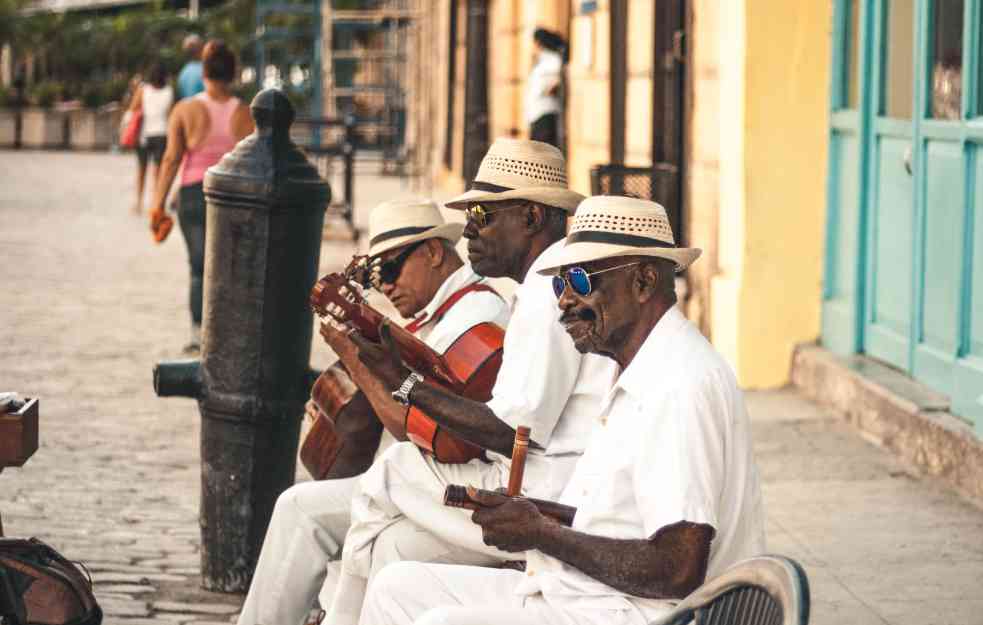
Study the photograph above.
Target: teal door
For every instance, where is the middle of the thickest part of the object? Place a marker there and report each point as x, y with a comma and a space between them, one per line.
904, 253
890, 203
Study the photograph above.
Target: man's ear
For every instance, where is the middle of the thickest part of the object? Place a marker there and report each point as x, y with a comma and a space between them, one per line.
646, 282
536, 218
436, 250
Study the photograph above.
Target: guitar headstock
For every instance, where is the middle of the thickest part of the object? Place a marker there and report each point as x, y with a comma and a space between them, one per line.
359, 271
337, 289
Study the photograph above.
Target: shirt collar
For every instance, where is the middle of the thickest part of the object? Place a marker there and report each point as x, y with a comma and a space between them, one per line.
654, 354
464, 276
543, 260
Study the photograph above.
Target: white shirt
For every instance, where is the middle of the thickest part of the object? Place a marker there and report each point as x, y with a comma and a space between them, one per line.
546, 384
673, 443
156, 104
544, 76
474, 308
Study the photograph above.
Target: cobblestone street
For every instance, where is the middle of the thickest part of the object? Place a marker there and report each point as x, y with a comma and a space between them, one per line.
88, 304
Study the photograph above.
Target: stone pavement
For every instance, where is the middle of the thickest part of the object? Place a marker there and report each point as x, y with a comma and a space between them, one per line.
89, 304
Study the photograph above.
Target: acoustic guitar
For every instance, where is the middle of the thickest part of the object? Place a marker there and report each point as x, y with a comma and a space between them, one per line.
468, 367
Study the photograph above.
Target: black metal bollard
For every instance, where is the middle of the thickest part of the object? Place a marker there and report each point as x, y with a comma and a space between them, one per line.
265, 213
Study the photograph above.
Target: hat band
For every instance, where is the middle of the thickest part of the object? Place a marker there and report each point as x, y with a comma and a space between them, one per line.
616, 238
399, 232
488, 187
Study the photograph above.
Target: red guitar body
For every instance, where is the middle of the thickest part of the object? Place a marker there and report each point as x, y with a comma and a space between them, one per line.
475, 358
468, 368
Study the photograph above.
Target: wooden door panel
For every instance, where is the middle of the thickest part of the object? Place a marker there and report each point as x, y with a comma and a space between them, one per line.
967, 383
937, 339
893, 237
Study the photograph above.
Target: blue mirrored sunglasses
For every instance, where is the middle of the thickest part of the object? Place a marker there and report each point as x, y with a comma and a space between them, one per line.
579, 279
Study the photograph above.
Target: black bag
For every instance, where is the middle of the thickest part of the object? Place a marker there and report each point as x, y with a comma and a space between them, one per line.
38, 586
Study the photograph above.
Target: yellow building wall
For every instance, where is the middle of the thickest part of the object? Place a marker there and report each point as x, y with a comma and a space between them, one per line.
774, 82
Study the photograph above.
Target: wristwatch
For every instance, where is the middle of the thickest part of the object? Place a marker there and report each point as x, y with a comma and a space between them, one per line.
402, 394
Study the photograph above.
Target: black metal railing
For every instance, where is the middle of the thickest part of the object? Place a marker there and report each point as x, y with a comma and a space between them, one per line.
656, 183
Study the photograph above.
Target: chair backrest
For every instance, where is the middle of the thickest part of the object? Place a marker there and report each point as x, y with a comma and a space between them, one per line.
767, 590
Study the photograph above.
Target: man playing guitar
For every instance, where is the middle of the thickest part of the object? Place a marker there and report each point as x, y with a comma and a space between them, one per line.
417, 268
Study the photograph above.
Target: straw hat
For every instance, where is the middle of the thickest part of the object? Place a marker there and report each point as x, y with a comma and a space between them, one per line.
521, 169
606, 226
401, 222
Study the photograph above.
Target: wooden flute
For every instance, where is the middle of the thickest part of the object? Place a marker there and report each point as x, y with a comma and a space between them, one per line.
457, 496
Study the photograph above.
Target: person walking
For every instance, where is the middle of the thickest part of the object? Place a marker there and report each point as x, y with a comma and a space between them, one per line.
153, 99
189, 79
542, 97
133, 105
201, 130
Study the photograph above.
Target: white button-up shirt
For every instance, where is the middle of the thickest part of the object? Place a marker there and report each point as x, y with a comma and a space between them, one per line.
546, 384
673, 443
473, 308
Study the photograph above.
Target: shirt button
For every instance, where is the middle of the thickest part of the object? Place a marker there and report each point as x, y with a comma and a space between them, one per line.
530, 572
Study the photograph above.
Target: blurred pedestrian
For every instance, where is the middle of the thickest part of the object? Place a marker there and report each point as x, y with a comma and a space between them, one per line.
154, 99
133, 105
542, 97
201, 130
189, 80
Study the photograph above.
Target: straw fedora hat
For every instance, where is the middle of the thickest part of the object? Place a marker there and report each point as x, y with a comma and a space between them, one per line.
606, 226
401, 222
521, 169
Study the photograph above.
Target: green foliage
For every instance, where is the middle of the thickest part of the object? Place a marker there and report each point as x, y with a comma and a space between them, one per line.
46, 93
93, 57
7, 97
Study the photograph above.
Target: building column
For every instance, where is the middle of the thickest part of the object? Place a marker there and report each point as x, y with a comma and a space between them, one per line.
774, 92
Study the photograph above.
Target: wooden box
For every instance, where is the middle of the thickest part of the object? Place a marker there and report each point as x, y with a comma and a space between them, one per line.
19, 434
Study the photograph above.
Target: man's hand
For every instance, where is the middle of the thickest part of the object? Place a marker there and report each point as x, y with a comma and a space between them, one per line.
312, 410
382, 358
508, 523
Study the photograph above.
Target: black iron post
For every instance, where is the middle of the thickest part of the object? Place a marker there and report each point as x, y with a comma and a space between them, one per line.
265, 213
476, 90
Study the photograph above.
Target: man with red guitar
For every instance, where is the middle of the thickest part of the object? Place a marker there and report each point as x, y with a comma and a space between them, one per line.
517, 213
417, 268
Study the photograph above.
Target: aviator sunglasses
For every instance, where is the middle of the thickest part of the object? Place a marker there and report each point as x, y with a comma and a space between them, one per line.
579, 279
389, 270
478, 214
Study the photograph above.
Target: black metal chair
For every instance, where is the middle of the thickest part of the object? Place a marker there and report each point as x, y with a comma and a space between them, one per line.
767, 590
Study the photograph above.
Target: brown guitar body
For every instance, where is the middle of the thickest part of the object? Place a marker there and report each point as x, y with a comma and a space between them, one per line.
343, 439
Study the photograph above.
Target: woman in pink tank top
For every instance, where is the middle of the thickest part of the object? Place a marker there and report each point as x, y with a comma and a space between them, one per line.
201, 130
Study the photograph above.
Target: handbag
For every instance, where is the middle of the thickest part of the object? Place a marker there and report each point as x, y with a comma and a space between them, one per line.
131, 133
39, 586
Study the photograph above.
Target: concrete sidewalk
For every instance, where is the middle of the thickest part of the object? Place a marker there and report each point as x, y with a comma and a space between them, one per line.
89, 304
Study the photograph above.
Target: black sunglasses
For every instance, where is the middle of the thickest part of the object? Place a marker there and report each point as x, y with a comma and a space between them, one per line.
389, 270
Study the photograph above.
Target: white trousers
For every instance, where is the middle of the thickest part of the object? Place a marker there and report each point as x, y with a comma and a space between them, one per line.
306, 532
405, 483
415, 593
400, 516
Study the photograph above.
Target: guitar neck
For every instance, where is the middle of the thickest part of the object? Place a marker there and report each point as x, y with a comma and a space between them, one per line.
415, 353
